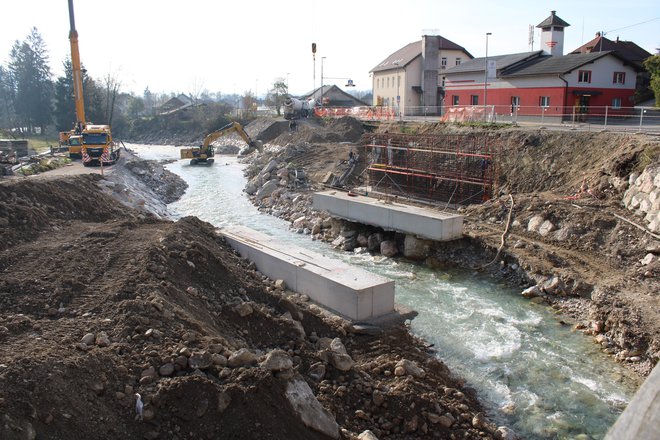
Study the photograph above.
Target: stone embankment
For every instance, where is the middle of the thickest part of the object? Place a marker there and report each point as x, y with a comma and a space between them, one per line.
643, 197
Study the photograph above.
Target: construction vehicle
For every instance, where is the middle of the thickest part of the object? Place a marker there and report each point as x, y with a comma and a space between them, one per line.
295, 108
203, 155
98, 148
72, 140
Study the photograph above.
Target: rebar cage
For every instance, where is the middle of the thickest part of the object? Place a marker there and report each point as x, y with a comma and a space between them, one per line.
456, 169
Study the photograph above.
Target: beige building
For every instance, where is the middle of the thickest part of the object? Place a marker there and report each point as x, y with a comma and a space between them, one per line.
409, 80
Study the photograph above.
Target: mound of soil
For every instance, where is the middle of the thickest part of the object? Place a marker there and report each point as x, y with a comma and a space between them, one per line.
99, 301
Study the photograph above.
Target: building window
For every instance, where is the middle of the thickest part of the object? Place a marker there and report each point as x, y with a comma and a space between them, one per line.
515, 101
474, 99
388, 82
458, 61
616, 103
454, 100
544, 101
619, 78
443, 63
584, 76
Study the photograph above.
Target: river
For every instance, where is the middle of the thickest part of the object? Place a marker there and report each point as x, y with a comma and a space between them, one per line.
532, 373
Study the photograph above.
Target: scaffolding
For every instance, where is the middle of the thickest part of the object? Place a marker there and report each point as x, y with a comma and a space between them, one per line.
456, 169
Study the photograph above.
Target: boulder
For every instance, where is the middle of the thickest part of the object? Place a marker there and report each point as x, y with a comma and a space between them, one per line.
535, 223
374, 241
277, 360
546, 227
241, 358
388, 248
415, 248
367, 435
200, 360
309, 410
411, 368
532, 292
269, 167
267, 189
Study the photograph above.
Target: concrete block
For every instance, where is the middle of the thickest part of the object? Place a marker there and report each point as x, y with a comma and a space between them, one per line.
349, 291
422, 222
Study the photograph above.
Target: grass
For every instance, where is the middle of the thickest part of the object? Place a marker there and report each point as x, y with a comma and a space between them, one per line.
42, 144
647, 157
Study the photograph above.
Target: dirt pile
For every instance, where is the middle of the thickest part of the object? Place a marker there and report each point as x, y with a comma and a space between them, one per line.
99, 302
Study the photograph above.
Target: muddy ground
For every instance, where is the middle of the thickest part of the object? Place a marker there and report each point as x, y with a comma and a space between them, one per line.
101, 300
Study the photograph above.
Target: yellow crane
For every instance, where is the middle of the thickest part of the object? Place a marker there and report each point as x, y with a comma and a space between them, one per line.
205, 152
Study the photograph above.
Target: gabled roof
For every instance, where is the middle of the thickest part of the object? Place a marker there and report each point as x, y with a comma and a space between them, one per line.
553, 20
334, 93
502, 62
549, 65
409, 52
626, 49
533, 63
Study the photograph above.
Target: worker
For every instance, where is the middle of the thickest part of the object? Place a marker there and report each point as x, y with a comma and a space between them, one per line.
292, 126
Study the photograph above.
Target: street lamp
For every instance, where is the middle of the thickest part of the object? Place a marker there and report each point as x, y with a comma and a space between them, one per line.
398, 84
486, 73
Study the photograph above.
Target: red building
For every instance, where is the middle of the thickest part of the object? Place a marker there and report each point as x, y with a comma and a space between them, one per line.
545, 82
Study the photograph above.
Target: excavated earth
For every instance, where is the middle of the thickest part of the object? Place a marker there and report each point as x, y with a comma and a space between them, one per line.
100, 301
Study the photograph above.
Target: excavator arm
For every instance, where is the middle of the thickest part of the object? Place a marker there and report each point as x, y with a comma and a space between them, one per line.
232, 126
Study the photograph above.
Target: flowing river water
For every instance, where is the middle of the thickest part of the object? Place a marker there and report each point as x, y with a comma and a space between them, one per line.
531, 372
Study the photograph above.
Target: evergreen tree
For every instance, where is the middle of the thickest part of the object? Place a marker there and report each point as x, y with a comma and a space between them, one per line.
33, 88
6, 99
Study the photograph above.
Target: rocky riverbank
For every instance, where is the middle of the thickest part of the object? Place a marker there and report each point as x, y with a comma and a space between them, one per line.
568, 243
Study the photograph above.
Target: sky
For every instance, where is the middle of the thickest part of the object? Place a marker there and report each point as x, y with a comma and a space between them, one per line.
234, 47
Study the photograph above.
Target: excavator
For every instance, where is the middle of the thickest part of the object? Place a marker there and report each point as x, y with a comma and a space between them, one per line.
203, 155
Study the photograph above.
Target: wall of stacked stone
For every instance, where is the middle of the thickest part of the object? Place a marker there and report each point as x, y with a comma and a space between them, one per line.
643, 196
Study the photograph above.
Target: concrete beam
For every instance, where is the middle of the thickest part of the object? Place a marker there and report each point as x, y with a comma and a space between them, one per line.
641, 418
352, 292
422, 222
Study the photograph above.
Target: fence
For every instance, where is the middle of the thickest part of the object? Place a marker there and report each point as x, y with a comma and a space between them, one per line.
628, 118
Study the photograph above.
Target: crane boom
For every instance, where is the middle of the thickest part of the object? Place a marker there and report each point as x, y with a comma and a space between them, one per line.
77, 70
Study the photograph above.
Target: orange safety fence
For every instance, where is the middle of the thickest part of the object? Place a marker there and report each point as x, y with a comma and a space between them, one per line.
357, 112
464, 114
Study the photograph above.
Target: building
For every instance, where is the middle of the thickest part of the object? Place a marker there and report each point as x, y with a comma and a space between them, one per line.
545, 81
333, 96
628, 51
409, 79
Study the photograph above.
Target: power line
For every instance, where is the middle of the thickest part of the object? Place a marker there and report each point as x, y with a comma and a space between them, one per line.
632, 25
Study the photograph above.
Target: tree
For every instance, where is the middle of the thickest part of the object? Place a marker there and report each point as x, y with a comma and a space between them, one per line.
135, 106
65, 111
277, 95
652, 64
33, 88
249, 103
7, 115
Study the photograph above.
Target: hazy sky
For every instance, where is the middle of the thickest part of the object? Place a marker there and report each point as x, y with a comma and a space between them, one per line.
232, 47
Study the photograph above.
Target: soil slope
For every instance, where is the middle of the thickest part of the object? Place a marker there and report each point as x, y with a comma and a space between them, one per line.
99, 301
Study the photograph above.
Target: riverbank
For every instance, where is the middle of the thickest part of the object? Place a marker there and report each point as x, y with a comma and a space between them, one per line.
102, 300
567, 242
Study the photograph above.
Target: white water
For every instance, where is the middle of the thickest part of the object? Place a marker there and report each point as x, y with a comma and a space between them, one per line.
532, 373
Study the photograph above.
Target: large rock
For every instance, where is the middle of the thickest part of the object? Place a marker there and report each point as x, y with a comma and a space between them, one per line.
415, 248
200, 360
241, 358
267, 189
374, 241
367, 435
269, 167
388, 248
535, 223
277, 360
411, 368
309, 410
546, 228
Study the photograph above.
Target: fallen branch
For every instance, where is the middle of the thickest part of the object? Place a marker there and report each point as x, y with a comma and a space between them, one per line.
638, 226
506, 230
